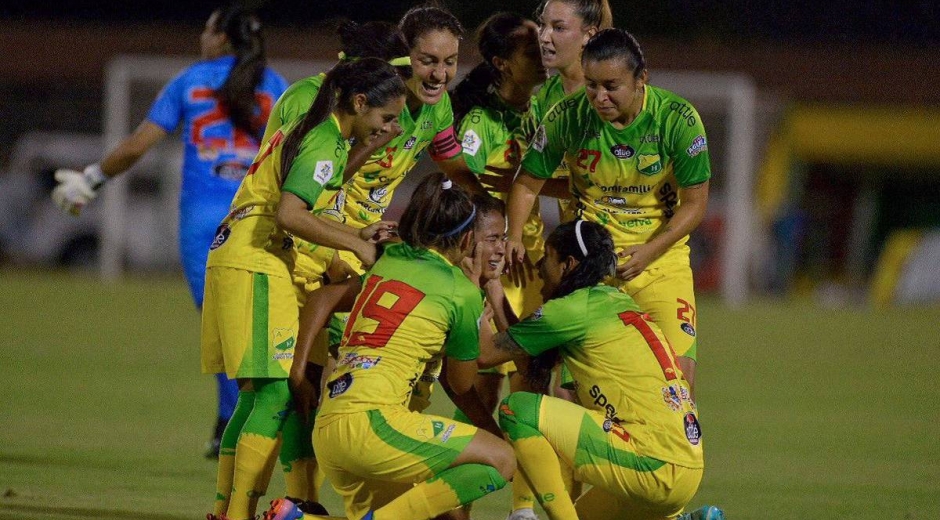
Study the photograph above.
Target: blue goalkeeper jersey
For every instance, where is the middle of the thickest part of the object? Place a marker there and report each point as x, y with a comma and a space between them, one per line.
216, 154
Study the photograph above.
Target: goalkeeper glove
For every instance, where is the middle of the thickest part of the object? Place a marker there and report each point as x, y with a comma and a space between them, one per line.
76, 189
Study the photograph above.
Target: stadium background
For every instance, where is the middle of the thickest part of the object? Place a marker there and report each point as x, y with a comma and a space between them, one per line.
816, 394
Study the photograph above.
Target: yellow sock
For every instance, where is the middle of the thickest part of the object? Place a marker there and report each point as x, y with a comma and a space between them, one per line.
226, 471
541, 466
572, 485
421, 501
300, 479
450, 489
319, 477
255, 457
224, 481
522, 496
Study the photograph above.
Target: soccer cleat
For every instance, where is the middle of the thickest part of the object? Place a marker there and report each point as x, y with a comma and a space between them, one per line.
526, 513
283, 509
369, 516
704, 513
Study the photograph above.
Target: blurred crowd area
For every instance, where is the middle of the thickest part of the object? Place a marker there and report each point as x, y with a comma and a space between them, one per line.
846, 179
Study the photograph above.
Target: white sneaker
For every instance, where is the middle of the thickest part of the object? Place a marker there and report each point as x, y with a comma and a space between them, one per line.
523, 514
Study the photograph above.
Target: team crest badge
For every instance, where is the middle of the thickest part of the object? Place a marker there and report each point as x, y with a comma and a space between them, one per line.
649, 164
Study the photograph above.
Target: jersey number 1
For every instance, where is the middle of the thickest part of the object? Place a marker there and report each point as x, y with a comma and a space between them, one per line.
405, 298
663, 351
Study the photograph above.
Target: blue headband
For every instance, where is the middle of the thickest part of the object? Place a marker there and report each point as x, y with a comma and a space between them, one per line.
462, 225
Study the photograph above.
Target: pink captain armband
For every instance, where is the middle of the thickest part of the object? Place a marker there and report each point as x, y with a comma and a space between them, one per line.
445, 145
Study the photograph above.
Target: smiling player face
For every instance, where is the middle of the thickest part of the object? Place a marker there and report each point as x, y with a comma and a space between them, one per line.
372, 121
434, 62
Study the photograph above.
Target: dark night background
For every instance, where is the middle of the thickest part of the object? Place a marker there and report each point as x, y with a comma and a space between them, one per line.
910, 23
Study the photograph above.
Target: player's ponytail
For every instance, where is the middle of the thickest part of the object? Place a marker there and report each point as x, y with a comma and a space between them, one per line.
373, 77
592, 246
495, 39
374, 39
439, 214
243, 30
611, 44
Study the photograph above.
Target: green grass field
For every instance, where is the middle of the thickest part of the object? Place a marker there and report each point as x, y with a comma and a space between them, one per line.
809, 413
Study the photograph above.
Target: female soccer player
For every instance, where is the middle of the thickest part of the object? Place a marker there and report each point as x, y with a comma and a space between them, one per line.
417, 305
564, 27
489, 106
222, 102
635, 435
249, 323
639, 166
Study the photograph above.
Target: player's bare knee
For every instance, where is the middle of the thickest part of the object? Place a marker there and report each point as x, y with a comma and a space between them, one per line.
504, 460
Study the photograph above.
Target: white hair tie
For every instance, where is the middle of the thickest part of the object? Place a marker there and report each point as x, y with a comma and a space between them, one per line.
577, 233
447, 184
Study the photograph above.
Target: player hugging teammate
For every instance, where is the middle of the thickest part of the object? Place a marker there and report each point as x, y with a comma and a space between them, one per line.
450, 291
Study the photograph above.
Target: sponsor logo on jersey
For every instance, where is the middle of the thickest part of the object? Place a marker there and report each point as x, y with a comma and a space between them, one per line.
447, 433
640, 222
613, 201
685, 112
622, 151
601, 402
651, 138
540, 139
688, 328
636, 190
323, 172
693, 431
471, 143
221, 235
378, 193
238, 214
410, 143
608, 424
560, 107
353, 360
698, 146
649, 164
340, 385
425, 125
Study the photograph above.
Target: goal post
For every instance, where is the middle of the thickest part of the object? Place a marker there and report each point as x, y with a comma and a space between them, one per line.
132, 82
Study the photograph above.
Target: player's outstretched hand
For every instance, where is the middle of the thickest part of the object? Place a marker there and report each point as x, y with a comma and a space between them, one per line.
75, 189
